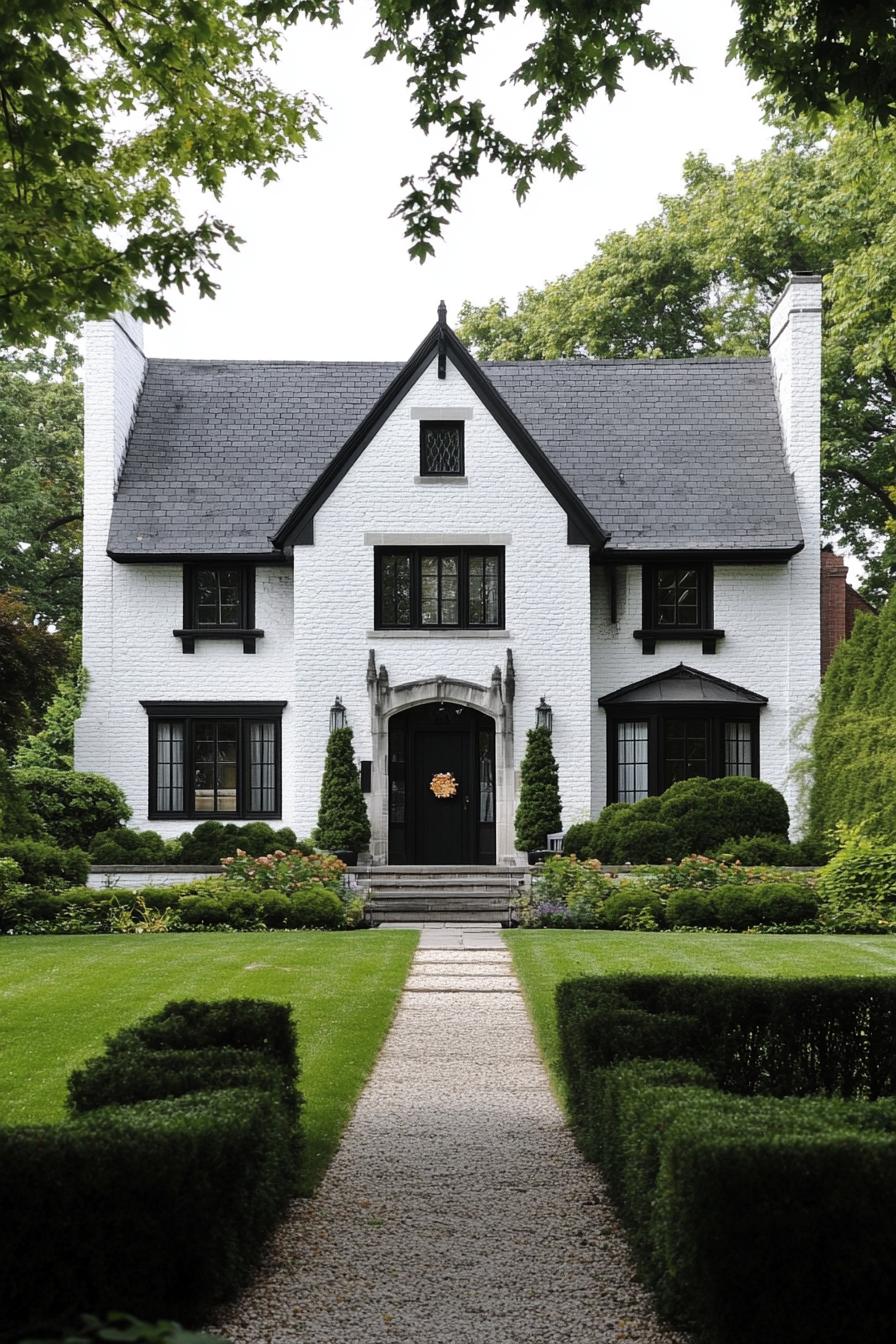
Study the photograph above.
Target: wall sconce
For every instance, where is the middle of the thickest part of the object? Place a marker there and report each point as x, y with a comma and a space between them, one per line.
544, 715
337, 714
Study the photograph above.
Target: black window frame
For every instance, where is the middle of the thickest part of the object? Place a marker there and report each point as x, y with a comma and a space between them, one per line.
416, 554
244, 629
655, 715
432, 424
191, 713
651, 629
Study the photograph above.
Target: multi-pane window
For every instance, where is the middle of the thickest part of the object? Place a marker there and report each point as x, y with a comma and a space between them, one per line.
217, 597
442, 587
169, 746
205, 766
664, 744
685, 750
441, 447
632, 760
395, 589
738, 748
677, 596
439, 596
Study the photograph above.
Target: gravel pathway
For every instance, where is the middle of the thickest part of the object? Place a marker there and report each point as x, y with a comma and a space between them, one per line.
457, 1210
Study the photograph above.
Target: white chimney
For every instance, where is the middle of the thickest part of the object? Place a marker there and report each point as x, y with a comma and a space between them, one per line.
114, 368
795, 348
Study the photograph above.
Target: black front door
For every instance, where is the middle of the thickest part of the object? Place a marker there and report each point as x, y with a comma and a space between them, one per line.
442, 819
441, 786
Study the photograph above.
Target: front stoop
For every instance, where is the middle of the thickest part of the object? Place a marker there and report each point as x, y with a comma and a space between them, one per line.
443, 895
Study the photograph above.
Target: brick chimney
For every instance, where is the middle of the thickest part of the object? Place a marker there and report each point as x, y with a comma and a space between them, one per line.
840, 604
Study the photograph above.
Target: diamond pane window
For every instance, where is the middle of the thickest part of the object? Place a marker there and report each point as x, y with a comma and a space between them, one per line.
396, 589
441, 447
482, 585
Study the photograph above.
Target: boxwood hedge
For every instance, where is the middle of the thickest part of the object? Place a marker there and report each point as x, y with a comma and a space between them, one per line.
158, 1193
736, 1124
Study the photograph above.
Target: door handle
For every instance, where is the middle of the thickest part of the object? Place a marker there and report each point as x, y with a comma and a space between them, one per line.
466, 801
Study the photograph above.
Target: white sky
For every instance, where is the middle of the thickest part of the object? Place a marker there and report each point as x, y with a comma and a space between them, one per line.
324, 273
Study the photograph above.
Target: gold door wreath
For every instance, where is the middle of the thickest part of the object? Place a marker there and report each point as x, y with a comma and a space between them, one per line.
443, 785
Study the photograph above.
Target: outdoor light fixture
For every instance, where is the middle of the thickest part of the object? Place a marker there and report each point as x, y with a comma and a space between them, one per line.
544, 715
337, 714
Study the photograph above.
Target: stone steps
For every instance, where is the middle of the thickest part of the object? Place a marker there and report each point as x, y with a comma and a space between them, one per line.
451, 895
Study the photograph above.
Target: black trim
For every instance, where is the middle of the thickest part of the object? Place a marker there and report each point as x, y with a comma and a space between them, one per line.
200, 558
213, 709
429, 424
366, 776
244, 629
758, 555
298, 528
682, 672
188, 713
714, 713
416, 553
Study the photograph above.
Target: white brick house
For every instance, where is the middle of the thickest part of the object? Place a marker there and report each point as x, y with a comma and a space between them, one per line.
440, 544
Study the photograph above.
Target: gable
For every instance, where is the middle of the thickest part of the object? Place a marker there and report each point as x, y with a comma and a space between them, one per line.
441, 344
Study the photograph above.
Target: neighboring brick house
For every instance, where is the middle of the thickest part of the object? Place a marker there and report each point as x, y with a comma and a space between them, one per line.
840, 604
440, 544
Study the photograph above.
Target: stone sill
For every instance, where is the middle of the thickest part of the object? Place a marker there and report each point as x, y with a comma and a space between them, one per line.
441, 480
441, 633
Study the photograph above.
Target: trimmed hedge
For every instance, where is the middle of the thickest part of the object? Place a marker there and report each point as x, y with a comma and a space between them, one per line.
159, 1192
742, 905
122, 845
752, 1218
692, 817
747, 1131
211, 841
162, 1205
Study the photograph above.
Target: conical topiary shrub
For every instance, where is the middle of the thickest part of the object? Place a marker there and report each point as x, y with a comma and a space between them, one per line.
342, 820
539, 807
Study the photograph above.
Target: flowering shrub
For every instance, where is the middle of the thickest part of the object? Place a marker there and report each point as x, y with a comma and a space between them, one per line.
566, 894
290, 873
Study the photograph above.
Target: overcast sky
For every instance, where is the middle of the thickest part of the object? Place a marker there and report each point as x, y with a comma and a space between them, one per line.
324, 272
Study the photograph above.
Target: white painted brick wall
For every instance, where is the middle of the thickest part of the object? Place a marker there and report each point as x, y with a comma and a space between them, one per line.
318, 622
546, 590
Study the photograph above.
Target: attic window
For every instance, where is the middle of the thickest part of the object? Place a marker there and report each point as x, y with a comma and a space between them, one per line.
441, 447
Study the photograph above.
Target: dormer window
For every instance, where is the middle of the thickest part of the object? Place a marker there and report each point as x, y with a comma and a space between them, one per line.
219, 603
441, 447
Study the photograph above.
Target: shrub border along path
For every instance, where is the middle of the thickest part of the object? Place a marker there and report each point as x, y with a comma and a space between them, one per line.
457, 1210
544, 957
63, 995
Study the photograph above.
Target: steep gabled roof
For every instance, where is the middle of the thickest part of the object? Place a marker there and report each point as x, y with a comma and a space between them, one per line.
441, 341
662, 455
683, 685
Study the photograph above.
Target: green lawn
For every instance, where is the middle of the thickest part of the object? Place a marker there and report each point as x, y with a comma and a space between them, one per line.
544, 957
61, 996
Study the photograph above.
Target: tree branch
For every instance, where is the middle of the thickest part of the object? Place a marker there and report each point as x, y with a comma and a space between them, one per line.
61, 522
872, 486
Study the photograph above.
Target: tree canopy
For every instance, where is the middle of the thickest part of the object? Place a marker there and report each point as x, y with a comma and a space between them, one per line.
40, 486
106, 105
701, 277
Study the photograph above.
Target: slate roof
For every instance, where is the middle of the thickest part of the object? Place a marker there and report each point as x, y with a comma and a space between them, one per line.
682, 454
